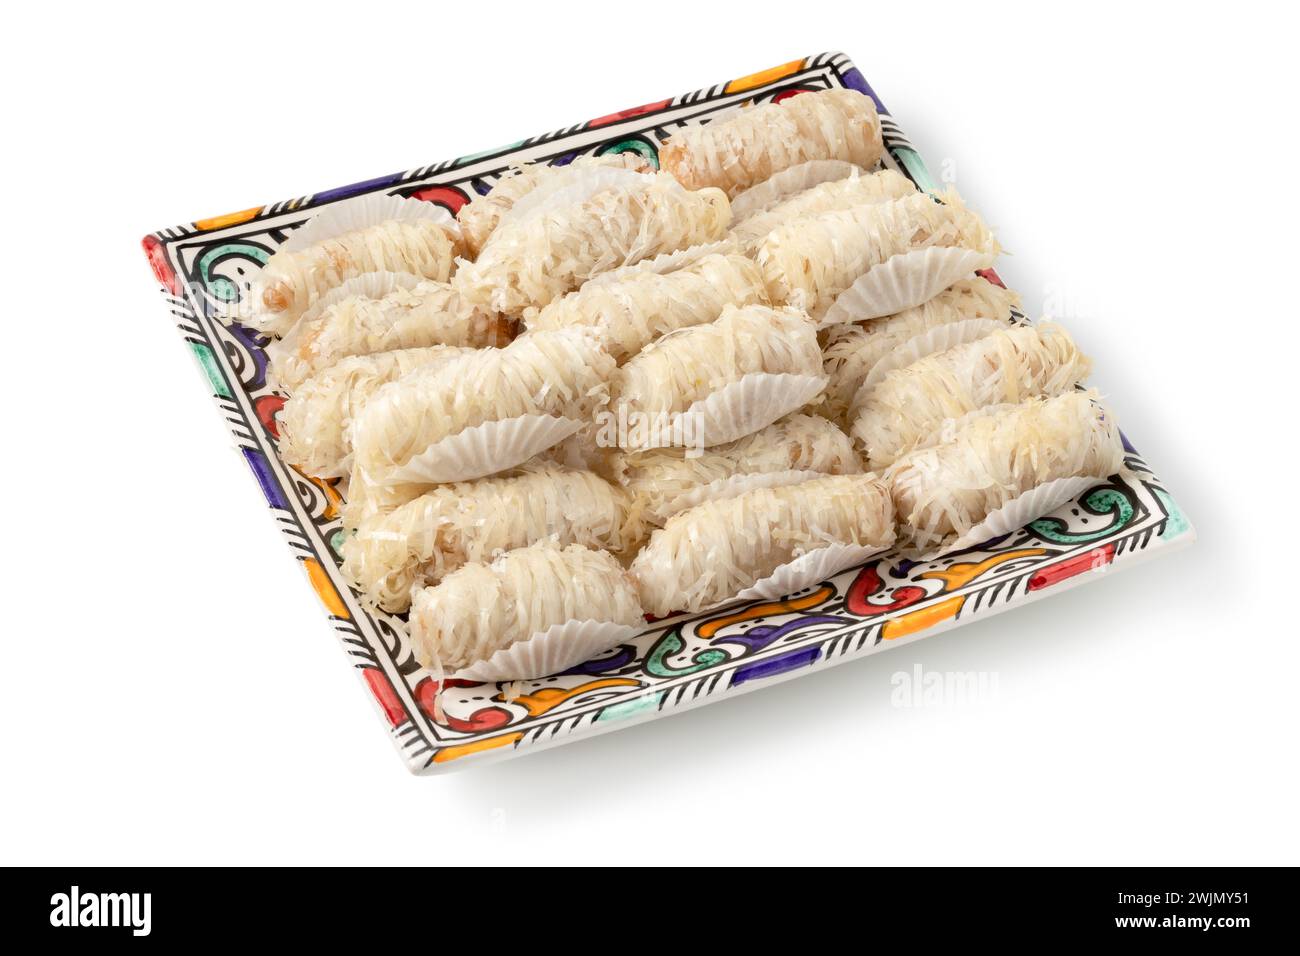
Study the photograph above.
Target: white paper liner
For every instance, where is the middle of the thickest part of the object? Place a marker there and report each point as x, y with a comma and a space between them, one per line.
903, 281
806, 570
361, 212
667, 262
568, 188
485, 449
368, 285
723, 488
790, 182
1020, 510
548, 652
739, 408
938, 339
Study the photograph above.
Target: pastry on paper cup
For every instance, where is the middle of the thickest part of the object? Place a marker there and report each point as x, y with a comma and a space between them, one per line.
572, 237
363, 499
362, 212
663, 481
788, 183
631, 311
853, 351
315, 424
561, 192
372, 234
905, 280
719, 550
714, 383
384, 311
876, 259
813, 567
857, 190
1001, 470
906, 407
424, 540
484, 412
739, 152
480, 217
667, 262
530, 613
939, 339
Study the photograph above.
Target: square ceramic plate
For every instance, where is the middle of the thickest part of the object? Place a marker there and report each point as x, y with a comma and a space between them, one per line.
205, 267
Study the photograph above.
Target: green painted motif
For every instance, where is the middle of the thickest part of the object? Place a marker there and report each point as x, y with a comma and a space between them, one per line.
208, 362
1176, 524
643, 148
915, 167
219, 287
1103, 500
487, 152
671, 643
628, 708
336, 542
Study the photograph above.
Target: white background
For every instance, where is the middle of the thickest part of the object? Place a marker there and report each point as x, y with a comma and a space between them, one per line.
172, 693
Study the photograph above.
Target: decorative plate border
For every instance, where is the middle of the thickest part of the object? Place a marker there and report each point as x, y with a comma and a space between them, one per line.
205, 266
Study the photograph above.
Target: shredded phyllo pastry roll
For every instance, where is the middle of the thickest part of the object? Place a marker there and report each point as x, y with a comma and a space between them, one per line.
944, 491
906, 408
632, 310
809, 262
364, 499
292, 281
432, 313
315, 422
740, 152
694, 363
789, 183
480, 609
557, 245
479, 217
561, 373
656, 479
857, 190
425, 539
708, 554
852, 350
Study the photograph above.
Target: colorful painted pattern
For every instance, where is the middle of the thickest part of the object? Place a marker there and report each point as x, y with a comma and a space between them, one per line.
204, 269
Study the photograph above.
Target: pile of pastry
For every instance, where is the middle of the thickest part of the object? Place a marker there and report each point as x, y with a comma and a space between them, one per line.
606, 392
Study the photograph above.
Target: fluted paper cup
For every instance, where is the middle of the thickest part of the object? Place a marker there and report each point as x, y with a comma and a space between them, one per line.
938, 339
484, 449
737, 409
361, 212
807, 570
1019, 511
790, 182
548, 652
903, 281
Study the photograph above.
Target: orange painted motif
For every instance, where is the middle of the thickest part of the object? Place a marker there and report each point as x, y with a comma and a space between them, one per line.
919, 620
329, 594
229, 219
328, 487
548, 698
959, 575
712, 627
464, 750
755, 80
